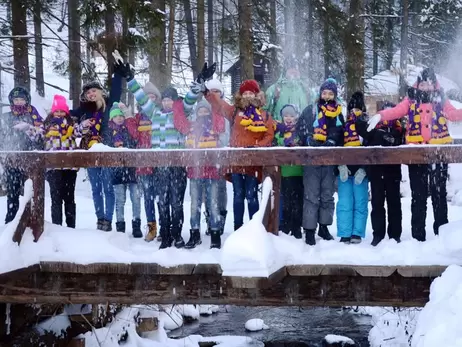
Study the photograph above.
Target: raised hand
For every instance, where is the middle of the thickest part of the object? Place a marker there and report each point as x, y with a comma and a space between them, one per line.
206, 73
198, 87
373, 121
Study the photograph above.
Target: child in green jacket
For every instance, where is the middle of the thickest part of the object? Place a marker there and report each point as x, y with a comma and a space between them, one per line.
292, 175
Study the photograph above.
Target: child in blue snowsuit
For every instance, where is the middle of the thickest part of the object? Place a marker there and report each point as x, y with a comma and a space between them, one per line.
353, 195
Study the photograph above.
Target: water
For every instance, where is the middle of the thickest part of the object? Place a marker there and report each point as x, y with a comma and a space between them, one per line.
305, 326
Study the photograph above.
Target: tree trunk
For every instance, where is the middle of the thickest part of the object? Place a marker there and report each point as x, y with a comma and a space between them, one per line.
222, 50
39, 81
289, 27
75, 66
110, 43
191, 37
20, 44
327, 47
124, 54
246, 40
157, 52
354, 48
273, 40
131, 60
200, 33
210, 44
404, 48
389, 36
171, 40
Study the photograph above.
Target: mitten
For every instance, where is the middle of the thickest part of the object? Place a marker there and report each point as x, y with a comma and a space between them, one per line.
344, 173
198, 87
359, 176
373, 121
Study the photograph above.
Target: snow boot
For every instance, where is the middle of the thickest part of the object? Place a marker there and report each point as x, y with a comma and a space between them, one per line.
167, 239
237, 226
70, 213
99, 224
107, 225
194, 240
152, 232
178, 240
297, 233
136, 229
310, 237
215, 238
345, 240
355, 239
375, 241
120, 227
324, 233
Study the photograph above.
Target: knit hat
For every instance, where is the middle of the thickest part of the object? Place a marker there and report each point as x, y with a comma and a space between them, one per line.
329, 84
90, 85
427, 75
170, 93
249, 86
59, 104
214, 84
204, 104
357, 101
19, 92
116, 111
150, 88
290, 110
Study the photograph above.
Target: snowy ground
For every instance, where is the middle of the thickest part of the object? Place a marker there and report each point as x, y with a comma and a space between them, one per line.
86, 245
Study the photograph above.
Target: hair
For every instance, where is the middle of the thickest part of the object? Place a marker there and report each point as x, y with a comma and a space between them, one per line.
242, 103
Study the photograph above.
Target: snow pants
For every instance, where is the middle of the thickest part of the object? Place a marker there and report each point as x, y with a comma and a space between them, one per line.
197, 188
62, 190
423, 177
292, 210
352, 209
102, 191
15, 179
319, 189
385, 185
171, 186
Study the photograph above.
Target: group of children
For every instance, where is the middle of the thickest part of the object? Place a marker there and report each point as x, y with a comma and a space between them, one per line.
203, 119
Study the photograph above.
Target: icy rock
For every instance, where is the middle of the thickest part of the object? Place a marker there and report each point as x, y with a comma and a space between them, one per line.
189, 312
451, 237
205, 310
171, 318
255, 325
337, 341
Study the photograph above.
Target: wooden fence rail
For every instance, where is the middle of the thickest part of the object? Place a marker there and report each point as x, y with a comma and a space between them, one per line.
35, 164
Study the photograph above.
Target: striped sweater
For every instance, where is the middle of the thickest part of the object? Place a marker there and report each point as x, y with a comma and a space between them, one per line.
167, 132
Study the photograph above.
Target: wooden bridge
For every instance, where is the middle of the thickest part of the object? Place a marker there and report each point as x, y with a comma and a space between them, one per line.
300, 285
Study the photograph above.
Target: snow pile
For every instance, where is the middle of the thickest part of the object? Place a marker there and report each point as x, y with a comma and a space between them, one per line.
439, 321
189, 312
208, 310
339, 340
255, 325
57, 325
171, 316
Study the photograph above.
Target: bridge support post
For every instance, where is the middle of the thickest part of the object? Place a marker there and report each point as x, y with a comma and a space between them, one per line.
37, 219
271, 217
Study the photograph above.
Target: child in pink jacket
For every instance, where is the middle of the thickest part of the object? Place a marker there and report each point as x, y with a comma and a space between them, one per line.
427, 112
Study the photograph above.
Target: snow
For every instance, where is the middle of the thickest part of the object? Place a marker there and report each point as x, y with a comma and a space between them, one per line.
171, 316
189, 311
208, 310
331, 339
255, 324
57, 325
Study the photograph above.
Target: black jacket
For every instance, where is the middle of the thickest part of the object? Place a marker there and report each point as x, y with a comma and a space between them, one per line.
123, 175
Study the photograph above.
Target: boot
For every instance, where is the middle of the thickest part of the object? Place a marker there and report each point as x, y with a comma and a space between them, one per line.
297, 233
194, 240
345, 240
375, 241
57, 213
324, 233
99, 224
355, 239
237, 226
178, 239
136, 229
70, 213
166, 239
310, 237
120, 227
152, 232
106, 225
215, 236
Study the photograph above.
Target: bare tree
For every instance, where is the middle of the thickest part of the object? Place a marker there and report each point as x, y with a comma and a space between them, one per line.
171, 39
245, 39
191, 36
20, 43
40, 81
404, 47
210, 31
75, 67
200, 33
354, 48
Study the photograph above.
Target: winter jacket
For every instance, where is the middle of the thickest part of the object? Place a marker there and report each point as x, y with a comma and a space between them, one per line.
83, 113
240, 137
140, 130
122, 175
20, 140
305, 129
285, 92
168, 128
287, 170
426, 116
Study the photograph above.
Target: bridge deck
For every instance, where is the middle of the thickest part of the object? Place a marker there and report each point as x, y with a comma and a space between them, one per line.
137, 283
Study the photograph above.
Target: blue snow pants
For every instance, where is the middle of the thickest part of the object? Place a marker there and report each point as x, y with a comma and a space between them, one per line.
352, 208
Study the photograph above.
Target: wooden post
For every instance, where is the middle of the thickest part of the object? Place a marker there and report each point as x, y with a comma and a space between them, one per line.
271, 218
37, 220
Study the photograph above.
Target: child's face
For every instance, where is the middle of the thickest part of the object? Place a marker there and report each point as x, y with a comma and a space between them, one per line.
215, 91
167, 104
248, 95
93, 94
59, 114
119, 120
203, 112
426, 86
357, 111
19, 101
289, 119
327, 95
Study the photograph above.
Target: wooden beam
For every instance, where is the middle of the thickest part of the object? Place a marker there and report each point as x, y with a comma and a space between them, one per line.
24, 221
271, 216
37, 219
304, 285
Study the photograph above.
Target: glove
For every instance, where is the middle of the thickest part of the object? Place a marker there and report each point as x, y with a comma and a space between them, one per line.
373, 121
388, 139
124, 70
344, 173
206, 73
328, 143
359, 176
22, 126
198, 87
310, 142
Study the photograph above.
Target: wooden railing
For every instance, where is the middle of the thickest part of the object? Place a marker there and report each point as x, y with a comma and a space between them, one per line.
35, 164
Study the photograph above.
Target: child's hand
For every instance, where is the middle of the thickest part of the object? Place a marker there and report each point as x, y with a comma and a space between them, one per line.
86, 123
22, 126
344, 173
373, 121
360, 175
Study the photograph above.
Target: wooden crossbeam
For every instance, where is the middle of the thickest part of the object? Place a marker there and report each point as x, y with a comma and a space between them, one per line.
303, 285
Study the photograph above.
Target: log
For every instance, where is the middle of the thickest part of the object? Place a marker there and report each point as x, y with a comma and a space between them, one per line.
77, 342
271, 217
147, 324
37, 219
23, 223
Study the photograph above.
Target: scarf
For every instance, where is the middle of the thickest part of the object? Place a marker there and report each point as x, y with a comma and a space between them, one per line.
350, 135
118, 134
327, 110
202, 134
145, 123
252, 119
439, 129
288, 133
59, 128
19, 110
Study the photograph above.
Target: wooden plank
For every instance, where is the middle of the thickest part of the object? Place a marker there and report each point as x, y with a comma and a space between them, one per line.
37, 219
421, 271
23, 223
255, 282
271, 216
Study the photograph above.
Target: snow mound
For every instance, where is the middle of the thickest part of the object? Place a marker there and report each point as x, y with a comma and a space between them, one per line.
339, 340
439, 321
451, 237
255, 325
189, 311
171, 317
57, 325
208, 310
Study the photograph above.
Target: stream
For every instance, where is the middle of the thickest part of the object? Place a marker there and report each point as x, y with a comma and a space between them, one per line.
288, 326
